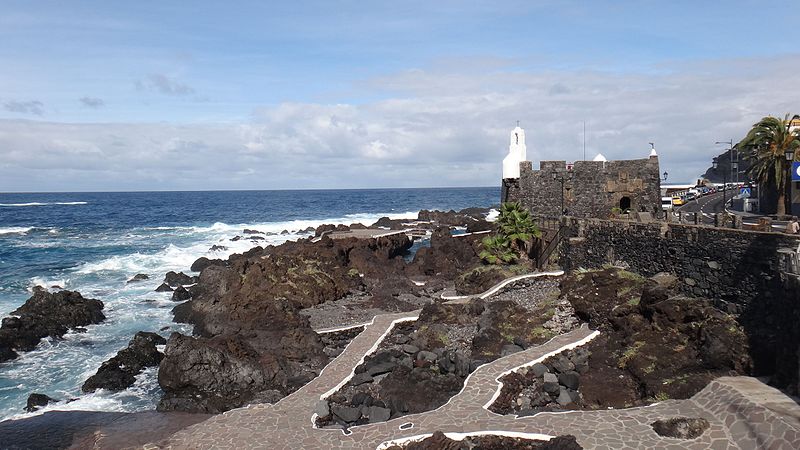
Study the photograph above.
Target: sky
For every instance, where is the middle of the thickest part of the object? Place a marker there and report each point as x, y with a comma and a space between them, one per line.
168, 95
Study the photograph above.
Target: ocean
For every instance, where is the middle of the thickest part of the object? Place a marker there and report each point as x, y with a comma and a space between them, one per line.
94, 242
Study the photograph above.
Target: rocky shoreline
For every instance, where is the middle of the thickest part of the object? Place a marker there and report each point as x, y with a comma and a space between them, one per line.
261, 319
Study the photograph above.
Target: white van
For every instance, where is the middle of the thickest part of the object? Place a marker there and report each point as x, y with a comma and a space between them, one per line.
666, 203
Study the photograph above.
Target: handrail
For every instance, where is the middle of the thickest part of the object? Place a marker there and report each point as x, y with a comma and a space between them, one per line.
548, 250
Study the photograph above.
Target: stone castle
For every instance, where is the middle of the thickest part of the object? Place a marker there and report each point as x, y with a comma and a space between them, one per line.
597, 188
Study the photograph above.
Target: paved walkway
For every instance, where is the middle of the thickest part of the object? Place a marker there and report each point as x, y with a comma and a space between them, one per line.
743, 412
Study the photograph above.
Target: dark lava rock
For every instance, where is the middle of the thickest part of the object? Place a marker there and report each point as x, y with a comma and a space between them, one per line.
178, 279
346, 414
447, 257
246, 231
454, 218
119, 372
203, 262
438, 441
139, 277
681, 427
251, 343
217, 248
181, 294
164, 287
570, 379
35, 401
479, 225
46, 314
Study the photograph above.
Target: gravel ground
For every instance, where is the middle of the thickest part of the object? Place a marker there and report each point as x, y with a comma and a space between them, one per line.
358, 308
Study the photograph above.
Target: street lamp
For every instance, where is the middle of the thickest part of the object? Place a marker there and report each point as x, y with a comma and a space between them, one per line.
664, 179
562, 179
731, 158
714, 165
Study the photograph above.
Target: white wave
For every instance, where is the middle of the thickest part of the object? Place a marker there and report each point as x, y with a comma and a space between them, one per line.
15, 230
47, 283
492, 215
43, 204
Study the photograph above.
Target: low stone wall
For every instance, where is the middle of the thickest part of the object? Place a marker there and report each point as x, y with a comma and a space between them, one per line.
749, 273
727, 265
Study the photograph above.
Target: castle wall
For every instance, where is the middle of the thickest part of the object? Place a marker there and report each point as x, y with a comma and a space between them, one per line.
748, 273
594, 190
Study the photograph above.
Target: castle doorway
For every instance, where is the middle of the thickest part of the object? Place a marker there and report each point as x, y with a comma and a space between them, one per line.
625, 203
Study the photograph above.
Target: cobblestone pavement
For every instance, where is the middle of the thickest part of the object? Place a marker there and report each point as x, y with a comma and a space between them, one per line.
743, 412
737, 420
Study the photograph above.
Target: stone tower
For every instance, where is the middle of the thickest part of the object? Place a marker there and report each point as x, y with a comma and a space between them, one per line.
517, 152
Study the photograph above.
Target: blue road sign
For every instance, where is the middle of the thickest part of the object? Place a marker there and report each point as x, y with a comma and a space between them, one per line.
745, 192
796, 171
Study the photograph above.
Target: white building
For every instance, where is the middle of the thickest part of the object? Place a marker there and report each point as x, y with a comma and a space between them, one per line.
517, 152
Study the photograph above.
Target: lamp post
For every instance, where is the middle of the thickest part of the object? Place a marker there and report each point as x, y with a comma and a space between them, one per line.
714, 165
731, 158
562, 179
666, 211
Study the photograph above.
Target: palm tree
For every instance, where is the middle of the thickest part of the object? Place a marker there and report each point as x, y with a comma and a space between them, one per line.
516, 224
765, 146
497, 250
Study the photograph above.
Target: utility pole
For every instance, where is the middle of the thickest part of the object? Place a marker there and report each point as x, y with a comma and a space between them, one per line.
731, 159
584, 140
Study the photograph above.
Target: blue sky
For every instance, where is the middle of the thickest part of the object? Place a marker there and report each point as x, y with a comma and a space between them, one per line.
112, 95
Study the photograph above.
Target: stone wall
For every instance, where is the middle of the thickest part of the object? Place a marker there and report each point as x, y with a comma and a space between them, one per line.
593, 190
744, 272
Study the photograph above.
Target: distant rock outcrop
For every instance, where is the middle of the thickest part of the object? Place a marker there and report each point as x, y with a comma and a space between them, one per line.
43, 315
119, 372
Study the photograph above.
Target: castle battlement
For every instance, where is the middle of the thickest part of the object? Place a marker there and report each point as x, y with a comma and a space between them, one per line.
589, 188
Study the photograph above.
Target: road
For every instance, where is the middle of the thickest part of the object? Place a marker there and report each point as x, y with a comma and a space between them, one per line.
710, 204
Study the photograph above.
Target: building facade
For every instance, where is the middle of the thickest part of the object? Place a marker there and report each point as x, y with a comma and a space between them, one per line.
597, 188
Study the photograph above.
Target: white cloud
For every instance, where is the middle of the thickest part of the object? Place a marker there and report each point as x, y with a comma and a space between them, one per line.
158, 82
434, 129
92, 102
34, 107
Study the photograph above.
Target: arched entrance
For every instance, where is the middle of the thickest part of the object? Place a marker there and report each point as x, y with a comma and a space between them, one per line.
625, 203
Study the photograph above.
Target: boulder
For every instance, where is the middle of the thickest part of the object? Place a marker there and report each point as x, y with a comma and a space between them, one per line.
346, 414
377, 414
43, 315
681, 427
322, 409
139, 277
181, 294
203, 262
175, 279
550, 383
217, 248
119, 372
36, 401
164, 287
570, 379
539, 369
564, 398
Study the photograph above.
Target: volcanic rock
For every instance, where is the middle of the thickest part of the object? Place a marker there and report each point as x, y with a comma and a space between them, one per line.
203, 262
181, 294
178, 279
119, 372
681, 427
46, 314
36, 401
164, 287
139, 277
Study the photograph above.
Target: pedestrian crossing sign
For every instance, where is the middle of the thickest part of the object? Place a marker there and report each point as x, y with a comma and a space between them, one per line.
796, 171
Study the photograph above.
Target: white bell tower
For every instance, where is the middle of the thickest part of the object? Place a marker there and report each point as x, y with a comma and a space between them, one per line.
517, 152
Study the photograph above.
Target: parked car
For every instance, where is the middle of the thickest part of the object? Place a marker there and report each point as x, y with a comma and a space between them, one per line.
666, 203
677, 201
